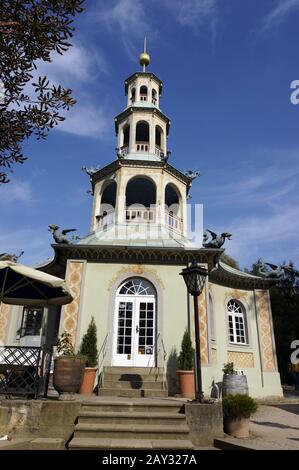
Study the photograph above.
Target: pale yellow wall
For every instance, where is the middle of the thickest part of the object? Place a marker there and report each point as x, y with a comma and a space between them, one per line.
100, 283
247, 358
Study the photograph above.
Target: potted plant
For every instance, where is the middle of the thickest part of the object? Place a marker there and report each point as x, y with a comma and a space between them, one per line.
89, 350
233, 383
68, 366
237, 410
186, 367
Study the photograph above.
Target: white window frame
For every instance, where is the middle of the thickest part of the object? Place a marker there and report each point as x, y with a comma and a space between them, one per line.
237, 312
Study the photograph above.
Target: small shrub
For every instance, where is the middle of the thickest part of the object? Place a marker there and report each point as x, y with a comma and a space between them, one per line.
186, 357
238, 406
89, 346
64, 345
228, 368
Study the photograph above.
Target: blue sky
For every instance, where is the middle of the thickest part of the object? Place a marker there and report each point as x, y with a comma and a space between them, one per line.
226, 67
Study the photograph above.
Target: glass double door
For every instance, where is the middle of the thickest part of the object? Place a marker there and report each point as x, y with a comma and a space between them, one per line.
134, 332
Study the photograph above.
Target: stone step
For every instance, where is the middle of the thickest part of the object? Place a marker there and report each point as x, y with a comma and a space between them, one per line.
133, 377
130, 392
141, 406
131, 417
131, 431
86, 443
133, 370
148, 385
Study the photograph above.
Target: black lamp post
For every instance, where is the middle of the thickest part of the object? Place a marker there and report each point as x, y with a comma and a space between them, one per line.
195, 278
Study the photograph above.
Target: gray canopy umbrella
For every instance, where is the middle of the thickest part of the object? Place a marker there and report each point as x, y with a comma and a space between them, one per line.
22, 285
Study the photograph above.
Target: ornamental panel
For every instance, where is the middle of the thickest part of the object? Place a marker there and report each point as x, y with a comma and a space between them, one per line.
265, 331
4, 310
203, 326
70, 312
240, 359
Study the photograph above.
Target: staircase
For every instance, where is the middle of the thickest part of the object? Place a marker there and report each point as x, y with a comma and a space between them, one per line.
131, 424
133, 382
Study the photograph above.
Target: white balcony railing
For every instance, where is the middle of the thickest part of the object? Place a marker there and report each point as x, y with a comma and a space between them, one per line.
124, 150
173, 221
105, 219
140, 216
142, 146
158, 151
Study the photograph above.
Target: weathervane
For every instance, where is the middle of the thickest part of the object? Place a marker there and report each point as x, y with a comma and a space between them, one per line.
144, 58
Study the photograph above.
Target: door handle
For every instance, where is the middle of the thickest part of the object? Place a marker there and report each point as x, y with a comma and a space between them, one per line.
137, 329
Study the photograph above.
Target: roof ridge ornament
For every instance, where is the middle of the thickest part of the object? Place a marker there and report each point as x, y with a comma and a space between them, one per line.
144, 58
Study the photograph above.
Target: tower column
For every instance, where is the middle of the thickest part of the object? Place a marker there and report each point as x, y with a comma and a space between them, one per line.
152, 134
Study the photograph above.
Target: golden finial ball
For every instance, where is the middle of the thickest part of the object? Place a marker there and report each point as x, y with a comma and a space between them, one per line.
144, 59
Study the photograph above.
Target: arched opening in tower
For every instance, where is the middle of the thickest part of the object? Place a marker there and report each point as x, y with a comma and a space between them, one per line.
133, 95
154, 97
159, 140
172, 207
142, 136
140, 200
126, 136
143, 93
107, 207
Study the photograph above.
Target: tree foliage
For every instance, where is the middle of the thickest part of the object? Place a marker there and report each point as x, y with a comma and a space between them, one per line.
285, 312
230, 261
30, 30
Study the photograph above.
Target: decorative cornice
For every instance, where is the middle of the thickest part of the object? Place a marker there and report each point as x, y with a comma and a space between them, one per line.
114, 166
133, 77
132, 109
136, 255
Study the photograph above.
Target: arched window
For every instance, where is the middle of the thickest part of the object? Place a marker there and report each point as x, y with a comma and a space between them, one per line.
154, 97
137, 286
143, 93
237, 327
133, 95
142, 136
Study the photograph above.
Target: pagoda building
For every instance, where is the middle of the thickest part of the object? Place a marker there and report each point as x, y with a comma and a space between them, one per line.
125, 273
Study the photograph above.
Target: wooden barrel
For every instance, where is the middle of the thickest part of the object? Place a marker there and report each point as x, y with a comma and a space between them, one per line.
68, 374
234, 384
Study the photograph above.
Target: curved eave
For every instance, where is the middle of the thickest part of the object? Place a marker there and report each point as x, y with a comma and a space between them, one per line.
124, 114
227, 276
133, 77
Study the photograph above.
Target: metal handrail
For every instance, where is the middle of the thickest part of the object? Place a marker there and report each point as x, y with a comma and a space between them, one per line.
103, 350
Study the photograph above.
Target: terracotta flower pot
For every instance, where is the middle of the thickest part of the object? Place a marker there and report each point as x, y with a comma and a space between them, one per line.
88, 381
238, 427
68, 374
187, 383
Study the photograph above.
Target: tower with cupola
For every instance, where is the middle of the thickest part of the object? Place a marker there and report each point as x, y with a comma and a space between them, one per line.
141, 187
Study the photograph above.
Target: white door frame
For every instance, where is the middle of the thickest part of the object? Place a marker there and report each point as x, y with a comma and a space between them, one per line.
135, 318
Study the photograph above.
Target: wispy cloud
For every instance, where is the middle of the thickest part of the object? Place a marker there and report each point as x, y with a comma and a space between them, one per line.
198, 14
17, 192
35, 244
249, 187
127, 17
273, 237
79, 68
281, 10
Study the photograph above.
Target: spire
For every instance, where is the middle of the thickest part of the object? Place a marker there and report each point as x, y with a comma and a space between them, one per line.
144, 58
